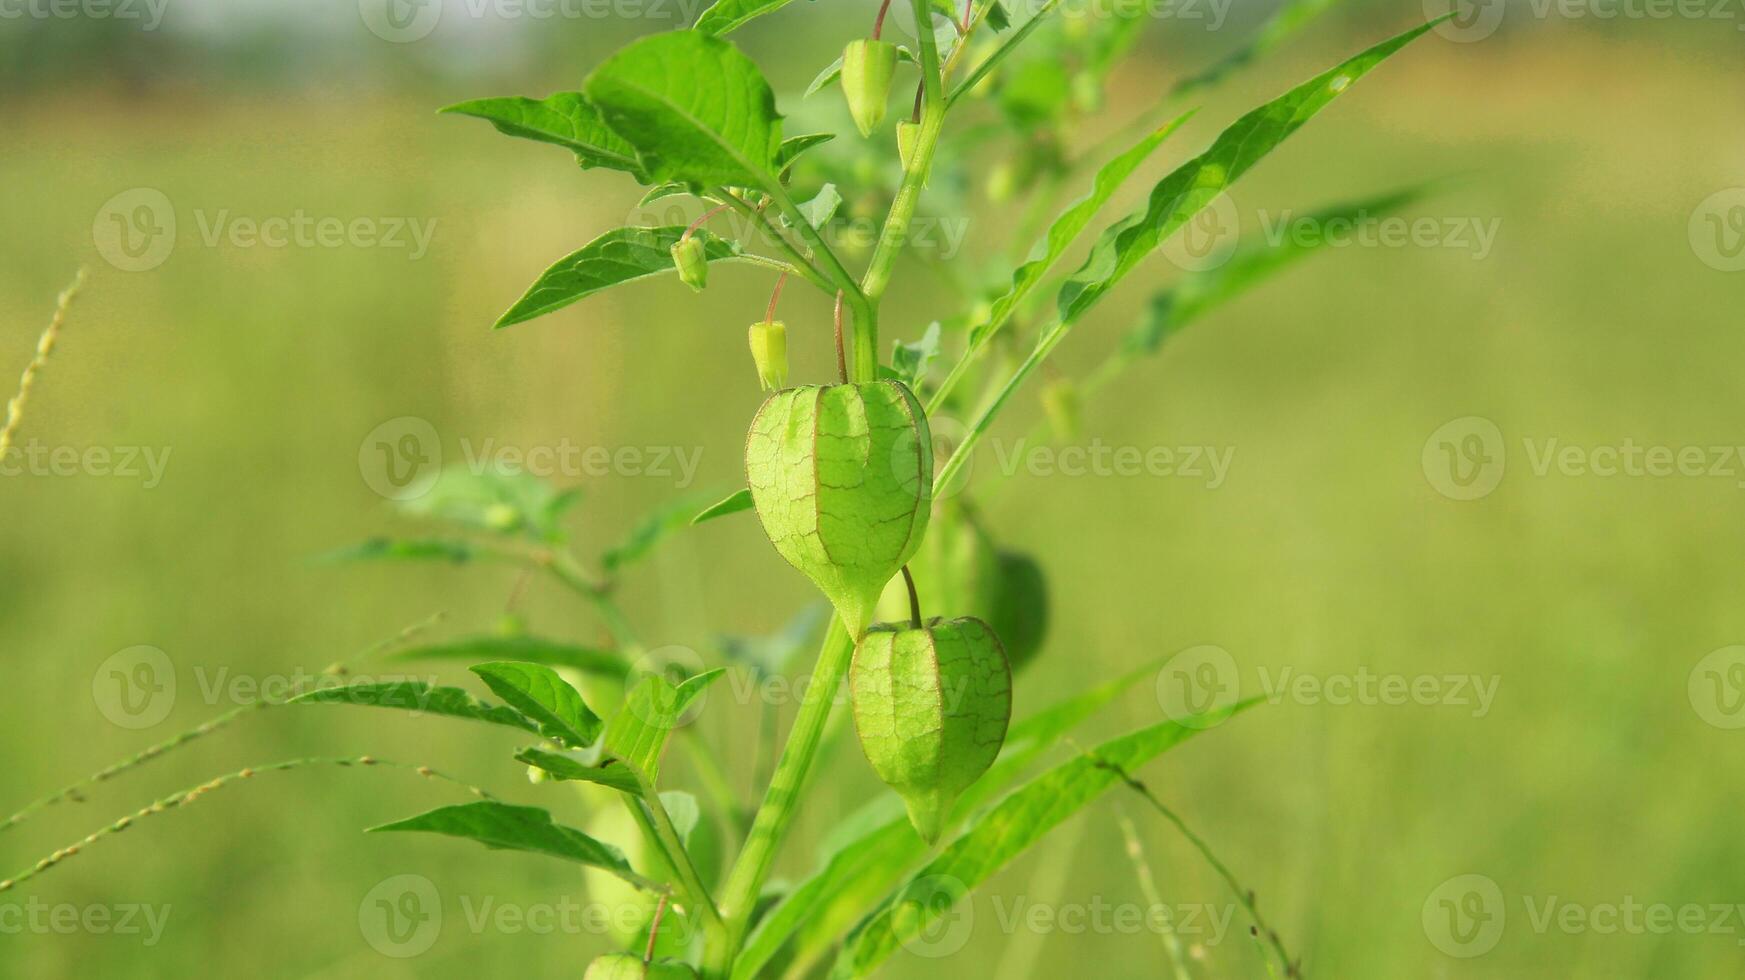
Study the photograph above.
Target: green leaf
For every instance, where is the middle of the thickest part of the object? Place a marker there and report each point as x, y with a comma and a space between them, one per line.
502, 827
541, 695
617, 257
683, 809
1067, 228
696, 109
419, 698
1193, 186
663, 191
730, 15
453, 550
525, 649
609, 773
739, 501
873, 848
1004, 832
637, 734
911, 362
794, 147
1195, 296
819, 210
565, 119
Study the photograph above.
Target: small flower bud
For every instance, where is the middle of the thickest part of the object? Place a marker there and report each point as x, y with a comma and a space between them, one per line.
769, 351
867, 69
692, 264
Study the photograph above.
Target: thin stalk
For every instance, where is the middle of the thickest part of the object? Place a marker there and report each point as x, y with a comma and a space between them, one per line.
651, 812
745, 882
1051, 338
802, 265
1148, 887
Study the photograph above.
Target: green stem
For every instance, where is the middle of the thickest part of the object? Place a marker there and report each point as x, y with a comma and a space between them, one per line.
745, 882
803, 265
1051, 338
652, 813
570, 573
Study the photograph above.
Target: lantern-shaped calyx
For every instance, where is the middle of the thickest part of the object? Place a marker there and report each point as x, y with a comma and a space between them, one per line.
842, 479
692, 262
769, 351
931, 704
868, 65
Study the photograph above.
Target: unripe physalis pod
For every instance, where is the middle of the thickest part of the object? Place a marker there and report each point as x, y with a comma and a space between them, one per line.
769, 351
691, 262
963, 569
624, 966
842, 479
908, 134
931, 704
868, 65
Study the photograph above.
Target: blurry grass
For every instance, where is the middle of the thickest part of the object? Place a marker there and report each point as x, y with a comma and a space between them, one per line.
262, 370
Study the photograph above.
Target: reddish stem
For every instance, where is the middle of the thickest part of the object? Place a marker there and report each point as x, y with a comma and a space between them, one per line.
775, 297
841, 358
700, 222
879, 25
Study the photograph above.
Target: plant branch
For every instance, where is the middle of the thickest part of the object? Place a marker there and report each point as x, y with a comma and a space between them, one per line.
803, 266
660, 823
745, 882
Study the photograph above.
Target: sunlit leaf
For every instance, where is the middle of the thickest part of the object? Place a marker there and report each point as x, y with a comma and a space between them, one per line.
617, 257
502, 827
730, 15
525, 649
565, 119
637, 734
419, 698
549, 700
565, 768
739, 501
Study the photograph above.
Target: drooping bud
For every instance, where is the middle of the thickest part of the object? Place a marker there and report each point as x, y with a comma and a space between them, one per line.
931, 705
769, 351
842, 479
692, 263
908, 134
868, 65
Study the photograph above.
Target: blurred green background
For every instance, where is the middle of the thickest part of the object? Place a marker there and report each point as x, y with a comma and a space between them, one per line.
1597, 778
